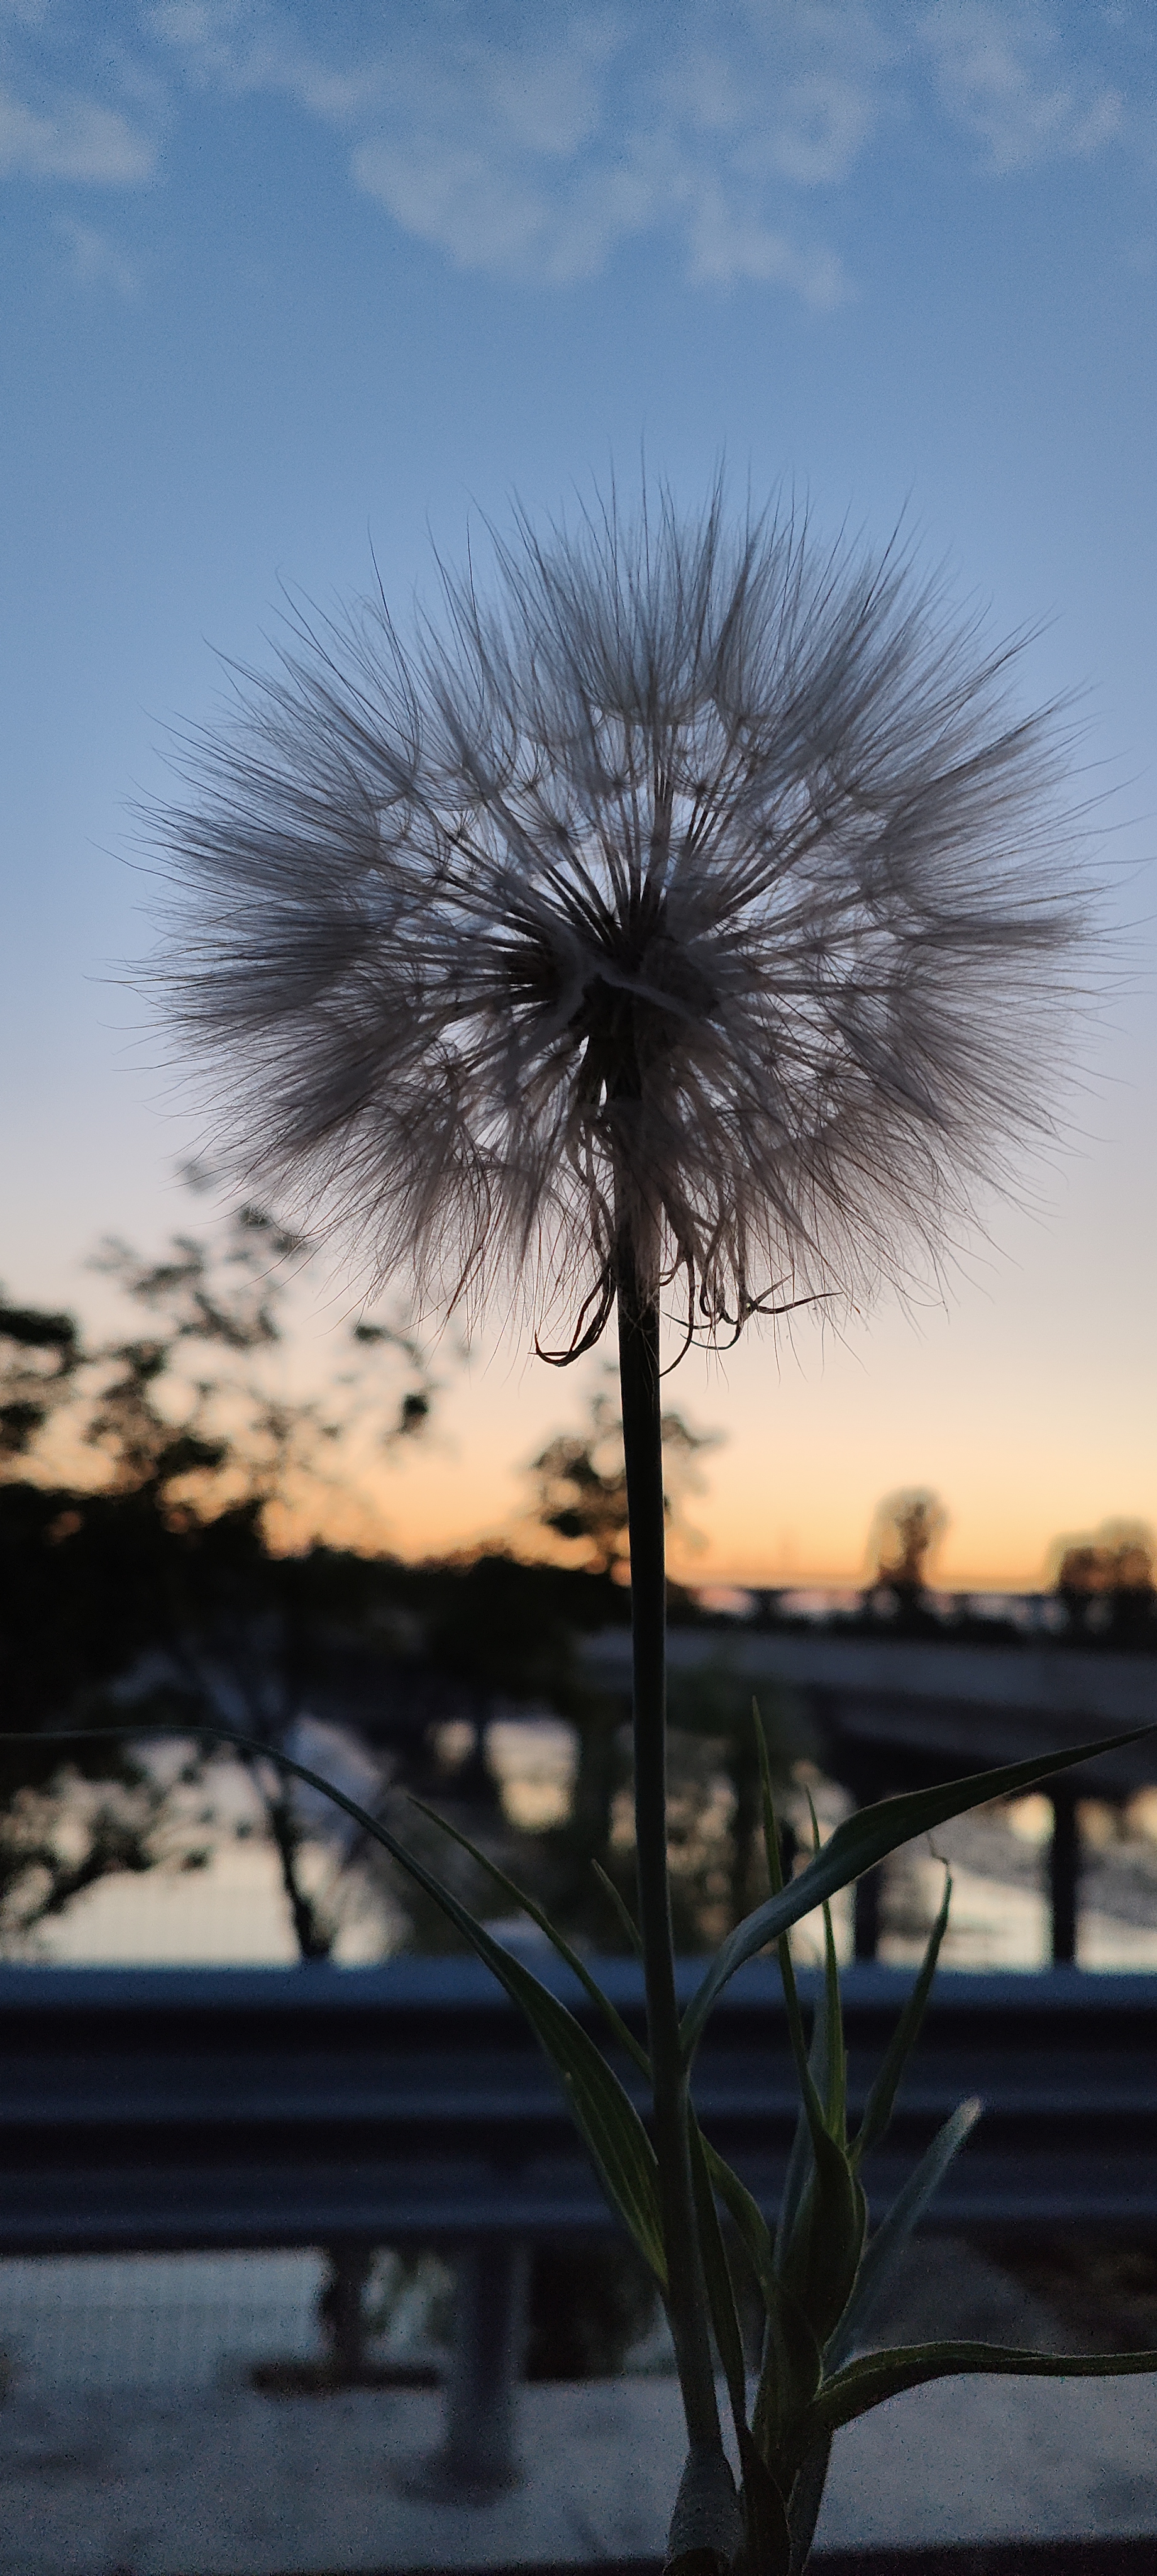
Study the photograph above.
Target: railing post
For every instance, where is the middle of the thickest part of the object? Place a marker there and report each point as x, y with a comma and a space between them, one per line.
342, 2309
489, 2339
1064, 1875
478, 2457
866, 1914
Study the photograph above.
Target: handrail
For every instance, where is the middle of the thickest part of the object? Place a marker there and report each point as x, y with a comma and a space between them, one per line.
198, 2107
185, 2108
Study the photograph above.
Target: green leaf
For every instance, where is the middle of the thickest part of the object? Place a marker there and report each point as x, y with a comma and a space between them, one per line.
794, 2220
861, 1841
791, 2374
614, 2135
623, 1912
893, 2232
807, 2495
789, 2377
823, 2255
827, 2057
812, 2145
558, 1940
720, 2288
811, 2134
823, 2212
800, 2167
771, 1848
754, 2232
882, 2098
604, 2113
810, 2064
834, 2087
880, 2375
767, 2533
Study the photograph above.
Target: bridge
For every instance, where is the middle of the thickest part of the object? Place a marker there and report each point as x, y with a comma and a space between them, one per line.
894, 1713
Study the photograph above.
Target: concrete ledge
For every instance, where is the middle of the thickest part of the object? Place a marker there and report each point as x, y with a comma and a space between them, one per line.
1001, 2558
231, 2484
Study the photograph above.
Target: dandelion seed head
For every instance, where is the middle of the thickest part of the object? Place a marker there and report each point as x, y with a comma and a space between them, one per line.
695, 903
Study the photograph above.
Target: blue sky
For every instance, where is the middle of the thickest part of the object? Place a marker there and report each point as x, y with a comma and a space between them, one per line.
276, 284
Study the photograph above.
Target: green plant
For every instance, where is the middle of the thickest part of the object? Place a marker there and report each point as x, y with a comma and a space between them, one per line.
817, 2271
693, 918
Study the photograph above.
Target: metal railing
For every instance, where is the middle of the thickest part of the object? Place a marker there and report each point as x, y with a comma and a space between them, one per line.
191, 2109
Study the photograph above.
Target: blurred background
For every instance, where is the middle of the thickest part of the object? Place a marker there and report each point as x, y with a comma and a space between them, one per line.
296, 303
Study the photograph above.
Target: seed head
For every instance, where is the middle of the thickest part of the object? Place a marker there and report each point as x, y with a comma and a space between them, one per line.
695, 904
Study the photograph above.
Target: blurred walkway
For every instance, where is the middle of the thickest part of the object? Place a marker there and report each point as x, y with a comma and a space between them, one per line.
208, 2484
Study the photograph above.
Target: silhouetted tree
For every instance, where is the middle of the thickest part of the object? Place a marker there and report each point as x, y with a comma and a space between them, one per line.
41, 1354
906, 1532
582, 1483
1105, 1583
136, 1481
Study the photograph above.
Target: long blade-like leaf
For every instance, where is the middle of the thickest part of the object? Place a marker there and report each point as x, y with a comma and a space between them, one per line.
859, 1843
882, 2098
767, 2531
810, 2135
894, 2230
828, 2056
791, 2374
720, 2287
558, 1940
800, 2163
812, 2142
800, 2168
880, 2375
807, 2495
752, 2226
812, 2147
835, 2074
604, 2113
622, 1912
822, 2257
772, 1852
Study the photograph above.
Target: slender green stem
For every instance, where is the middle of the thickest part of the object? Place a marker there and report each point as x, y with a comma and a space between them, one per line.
643, 1447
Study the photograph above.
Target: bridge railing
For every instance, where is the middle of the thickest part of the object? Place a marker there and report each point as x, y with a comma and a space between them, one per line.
185, 2109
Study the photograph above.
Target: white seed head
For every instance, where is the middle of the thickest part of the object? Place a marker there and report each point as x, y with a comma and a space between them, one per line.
696, 904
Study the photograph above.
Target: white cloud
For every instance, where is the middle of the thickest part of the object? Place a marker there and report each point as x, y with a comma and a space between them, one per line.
726, 252
244, 48
74, 138
821, 130
536, 144
95, 260
1001, 74
487, 214
456, 197
549, 101
542, 158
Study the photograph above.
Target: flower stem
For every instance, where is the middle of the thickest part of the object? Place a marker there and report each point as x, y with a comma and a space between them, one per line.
643, 1448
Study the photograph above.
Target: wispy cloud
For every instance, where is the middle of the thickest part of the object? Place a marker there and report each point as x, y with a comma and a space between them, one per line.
535, 144
96, 260
72, 138
1003, 74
